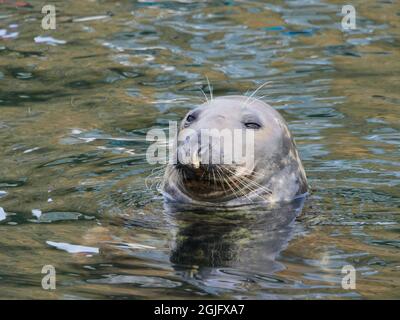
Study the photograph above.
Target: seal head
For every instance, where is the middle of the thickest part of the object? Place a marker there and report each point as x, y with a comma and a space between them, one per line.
217, 163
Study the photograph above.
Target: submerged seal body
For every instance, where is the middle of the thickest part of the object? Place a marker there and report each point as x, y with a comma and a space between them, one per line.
271, 172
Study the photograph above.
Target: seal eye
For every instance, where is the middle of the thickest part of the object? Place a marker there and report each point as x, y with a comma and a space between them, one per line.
252, 125
190, 118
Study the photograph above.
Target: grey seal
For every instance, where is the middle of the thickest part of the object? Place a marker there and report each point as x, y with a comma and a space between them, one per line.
275, 173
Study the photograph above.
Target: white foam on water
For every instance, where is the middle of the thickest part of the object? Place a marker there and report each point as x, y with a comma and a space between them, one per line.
83, 19
72, 248
87, 140
31, 150
76, 131
135, 246
5, 35
49, 40
3, 214
36, 213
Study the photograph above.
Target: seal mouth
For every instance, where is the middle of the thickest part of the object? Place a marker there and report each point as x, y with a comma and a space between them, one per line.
209, 173
209, 182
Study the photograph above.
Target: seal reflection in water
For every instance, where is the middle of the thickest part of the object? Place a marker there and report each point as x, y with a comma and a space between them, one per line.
219, 249
273, 174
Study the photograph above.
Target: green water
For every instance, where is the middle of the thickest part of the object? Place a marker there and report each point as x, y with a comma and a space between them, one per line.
75, 109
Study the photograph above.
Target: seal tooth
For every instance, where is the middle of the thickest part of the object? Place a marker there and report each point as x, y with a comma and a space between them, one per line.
195, 160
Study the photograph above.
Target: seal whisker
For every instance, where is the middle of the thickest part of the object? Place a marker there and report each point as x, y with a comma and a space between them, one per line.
254, 183
256, 99
210, 89
255, 91
240, 190
252, 173
214, 180
233, 190
154, 175
230, 187
222, 178
204, 95
156, 170
251, 190
245, 186
257, 185
259, 88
